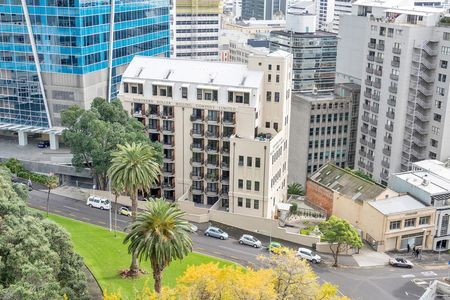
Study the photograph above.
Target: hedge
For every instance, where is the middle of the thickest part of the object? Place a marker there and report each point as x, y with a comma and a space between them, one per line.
17, 167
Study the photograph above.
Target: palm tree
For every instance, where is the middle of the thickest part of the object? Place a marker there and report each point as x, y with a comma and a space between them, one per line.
117, 189
159, 234
51, 183
135, 167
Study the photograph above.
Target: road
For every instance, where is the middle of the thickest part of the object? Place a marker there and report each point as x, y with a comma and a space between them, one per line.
358, 283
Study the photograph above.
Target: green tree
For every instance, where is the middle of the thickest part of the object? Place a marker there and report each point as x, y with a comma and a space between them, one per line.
296, 188
136, 168
339, 234
161, 236
52, 182
94, 134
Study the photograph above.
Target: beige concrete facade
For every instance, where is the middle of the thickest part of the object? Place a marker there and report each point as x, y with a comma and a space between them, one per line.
223, 142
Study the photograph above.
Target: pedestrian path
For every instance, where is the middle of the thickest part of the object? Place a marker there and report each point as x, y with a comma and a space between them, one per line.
368, 257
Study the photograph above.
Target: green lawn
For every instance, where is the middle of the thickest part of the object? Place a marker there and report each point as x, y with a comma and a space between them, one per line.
105, 255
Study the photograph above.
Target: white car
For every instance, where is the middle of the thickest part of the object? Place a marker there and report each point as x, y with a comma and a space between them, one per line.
250, 240
309, 255
98, 202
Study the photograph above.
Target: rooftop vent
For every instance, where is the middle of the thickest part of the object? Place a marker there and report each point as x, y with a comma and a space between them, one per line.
243, 80
168, 74
139, 71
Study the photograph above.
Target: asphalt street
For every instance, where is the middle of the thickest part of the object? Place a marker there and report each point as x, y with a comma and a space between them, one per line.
358, 283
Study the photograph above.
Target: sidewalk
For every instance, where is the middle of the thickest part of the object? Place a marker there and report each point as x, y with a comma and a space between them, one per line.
425, 258
82, 195
367, 257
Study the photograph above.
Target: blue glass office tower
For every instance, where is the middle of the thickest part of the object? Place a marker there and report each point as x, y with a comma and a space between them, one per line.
57, 53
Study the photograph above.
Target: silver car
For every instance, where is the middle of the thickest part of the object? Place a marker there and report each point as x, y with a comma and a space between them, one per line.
250, 240
216, 232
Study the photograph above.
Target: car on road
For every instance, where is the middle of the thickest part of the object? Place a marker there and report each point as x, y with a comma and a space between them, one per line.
309, 255
276, 248
216, 232
125, 211
192, 228
43, 144
250, 240
400, 262
98, 202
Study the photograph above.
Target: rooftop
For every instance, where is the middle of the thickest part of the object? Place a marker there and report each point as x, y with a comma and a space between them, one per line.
310, 97
395, 205
193, 71
317, 33
346, 183
434, 166
428, 182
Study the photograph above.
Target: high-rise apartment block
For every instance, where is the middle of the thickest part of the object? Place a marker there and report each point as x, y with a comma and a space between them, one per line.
314, 52
341, 7
324, 130
224, 128
401, 56
196, 32
55, 54
263, 9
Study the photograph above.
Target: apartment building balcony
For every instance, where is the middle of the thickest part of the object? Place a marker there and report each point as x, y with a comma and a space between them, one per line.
378, 59
169, 145
393, 89
384, 176
362, 153
378, 72
396, 50
212, 120
365, 130
371, 45
391, 102
374, 109
168, 186
369, 70
166, 116
197, 190
371, 145
196, 163
153, 129
395, 63
377, 84
225, 166
387, 139
363, 142
419, 142
226, 136
389, 127
365, 118
393, 77
225, 151
169, 159
168, 130
380, 47
368, 95
212, 165
370, 157
366, 106
390, 115
373, 133
385, 164
229, 121
153, 114
196, 119
361, 164
212, 150
376, 97
197, 147
369, 168
197, 133
224, 195
168, 173
212, 135
387, 151
212, 178
211, 192
196, 176
419, 153
368, 82
370, 57
373, 121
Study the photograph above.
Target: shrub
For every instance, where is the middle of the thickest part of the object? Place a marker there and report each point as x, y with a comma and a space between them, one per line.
293, 209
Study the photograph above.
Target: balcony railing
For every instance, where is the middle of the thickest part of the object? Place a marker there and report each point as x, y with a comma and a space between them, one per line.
228, 121
197, 133
371, 45
368, 94
396, 50
195, 118
365, 129
379, 59
369, 70
387, 151
393, 89
391, 102
378, 72
371, 145
389, 127
370, 57
363, 142
376, 97
212, 135
368, 82
395, 63
372, 133
380, 47
388, 139
362, 153
393, 77
390, 115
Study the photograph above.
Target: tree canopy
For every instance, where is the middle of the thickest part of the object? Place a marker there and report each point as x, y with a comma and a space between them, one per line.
37, 260
339, 233
94, 134
296, 188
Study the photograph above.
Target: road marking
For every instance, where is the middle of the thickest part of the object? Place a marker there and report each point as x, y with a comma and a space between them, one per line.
428, 273
218, 253
72, 208
408, 276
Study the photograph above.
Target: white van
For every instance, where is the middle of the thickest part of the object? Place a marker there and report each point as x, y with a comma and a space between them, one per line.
98, 202
309, 255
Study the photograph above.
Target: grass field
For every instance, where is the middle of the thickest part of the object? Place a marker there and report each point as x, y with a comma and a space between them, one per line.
105, 255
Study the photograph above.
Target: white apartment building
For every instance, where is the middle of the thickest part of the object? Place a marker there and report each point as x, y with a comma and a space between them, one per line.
236, 46
400, 54
224, 138
341, 7
429, 182
196, 31
325, 14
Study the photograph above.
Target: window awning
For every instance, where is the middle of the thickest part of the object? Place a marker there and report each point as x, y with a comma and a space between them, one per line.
131, 80
163, 83
240, 90
207, 87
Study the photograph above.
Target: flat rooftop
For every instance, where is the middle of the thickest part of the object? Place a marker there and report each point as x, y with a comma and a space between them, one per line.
346, 183
433, 166
395, 205
428, 182
317, 34
193, 71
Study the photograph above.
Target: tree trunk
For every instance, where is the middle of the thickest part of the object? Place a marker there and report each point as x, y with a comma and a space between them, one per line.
336, 255
115, 215
48, 199
134, 268
157, 276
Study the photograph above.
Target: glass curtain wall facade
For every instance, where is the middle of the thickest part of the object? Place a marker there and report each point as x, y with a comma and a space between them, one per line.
314, 66
70, 38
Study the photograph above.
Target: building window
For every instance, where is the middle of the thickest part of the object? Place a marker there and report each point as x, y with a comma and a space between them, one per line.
438, 104
394, 225
155, 90
269, 96
446, 36
275, 126
249, 161
248, 203
184, 92
269, 78
434, 143
443, 64
445, 50
240, 201
267, 124
277, 96
241, 160
257, 186
199, 94
424, 220
435, 130
269, 67
257, 162
432, 155
410, 222
440, 91
249, 185
442, 77
277, 78
256, 204
240, 184
278, 67
437, 117
230, 97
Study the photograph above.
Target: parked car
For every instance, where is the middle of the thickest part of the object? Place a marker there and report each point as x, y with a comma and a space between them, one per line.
98, 202
400, 262
192, 227
276, 248
249, 240
125, 211
309, 255
44, 144
216, 232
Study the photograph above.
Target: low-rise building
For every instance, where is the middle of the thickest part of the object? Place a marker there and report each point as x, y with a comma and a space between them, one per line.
429, 182
256, 26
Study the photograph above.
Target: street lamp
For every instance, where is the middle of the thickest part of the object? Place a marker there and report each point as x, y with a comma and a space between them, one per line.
265, 232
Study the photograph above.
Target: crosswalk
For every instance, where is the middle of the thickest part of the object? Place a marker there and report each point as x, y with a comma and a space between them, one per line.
426, 274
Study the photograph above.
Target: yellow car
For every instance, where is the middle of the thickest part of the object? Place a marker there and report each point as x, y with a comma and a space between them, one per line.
124, 211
